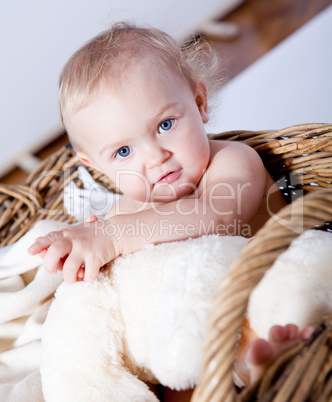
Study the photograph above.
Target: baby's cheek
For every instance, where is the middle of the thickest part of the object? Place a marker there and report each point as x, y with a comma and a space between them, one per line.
136, 186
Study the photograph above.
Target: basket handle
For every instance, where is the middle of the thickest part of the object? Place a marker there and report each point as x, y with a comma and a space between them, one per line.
230, 305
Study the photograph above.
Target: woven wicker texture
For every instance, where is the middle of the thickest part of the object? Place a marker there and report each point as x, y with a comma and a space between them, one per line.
301, 155
41, 195
230, 306
299, 158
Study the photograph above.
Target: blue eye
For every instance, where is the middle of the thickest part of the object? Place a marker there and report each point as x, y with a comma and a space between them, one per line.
123, 152
166, 125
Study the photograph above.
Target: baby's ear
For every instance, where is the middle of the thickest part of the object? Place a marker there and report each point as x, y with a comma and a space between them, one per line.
201, 100
84, 158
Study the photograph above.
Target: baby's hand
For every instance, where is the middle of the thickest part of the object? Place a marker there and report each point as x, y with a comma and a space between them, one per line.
73, 247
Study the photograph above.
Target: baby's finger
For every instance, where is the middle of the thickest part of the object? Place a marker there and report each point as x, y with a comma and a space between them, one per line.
56, 253
61, 262
91, 219
71, 268
42, 243
36, 247
42, 253
92, 268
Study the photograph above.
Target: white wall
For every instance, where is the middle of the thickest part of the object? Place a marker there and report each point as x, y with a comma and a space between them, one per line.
38, 36
289, 85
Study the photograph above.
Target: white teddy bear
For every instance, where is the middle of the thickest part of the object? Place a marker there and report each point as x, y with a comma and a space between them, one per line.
145, 318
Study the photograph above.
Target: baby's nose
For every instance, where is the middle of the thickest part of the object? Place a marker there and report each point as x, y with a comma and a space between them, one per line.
156, 157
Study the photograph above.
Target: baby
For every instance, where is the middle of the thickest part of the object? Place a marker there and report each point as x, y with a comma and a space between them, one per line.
134, 105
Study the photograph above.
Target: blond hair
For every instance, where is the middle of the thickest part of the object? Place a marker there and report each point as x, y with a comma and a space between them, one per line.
111, 52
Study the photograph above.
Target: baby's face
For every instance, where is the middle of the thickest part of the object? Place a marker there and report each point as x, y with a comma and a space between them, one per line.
147, 135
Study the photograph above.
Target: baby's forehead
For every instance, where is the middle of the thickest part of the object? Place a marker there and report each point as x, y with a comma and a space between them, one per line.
144, 70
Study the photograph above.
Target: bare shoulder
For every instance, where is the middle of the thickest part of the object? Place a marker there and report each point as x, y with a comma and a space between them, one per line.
235, 158
237, 173
231, 149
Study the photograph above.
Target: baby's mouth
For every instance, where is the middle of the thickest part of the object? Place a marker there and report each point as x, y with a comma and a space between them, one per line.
170, 177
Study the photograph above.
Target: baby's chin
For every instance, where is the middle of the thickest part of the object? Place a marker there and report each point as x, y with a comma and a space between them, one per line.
164, 194
165, 199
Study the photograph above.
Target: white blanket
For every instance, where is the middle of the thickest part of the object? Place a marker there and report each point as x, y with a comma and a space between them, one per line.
26, 292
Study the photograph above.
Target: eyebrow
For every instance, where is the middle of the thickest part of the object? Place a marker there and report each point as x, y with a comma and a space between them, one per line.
157, 117
165, 108
151, 123
112, 146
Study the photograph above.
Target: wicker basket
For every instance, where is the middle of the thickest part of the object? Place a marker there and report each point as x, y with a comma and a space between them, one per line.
299, 158
303, 155
308, 376
41, 195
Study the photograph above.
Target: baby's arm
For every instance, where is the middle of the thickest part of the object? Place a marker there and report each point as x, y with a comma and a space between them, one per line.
232, 188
